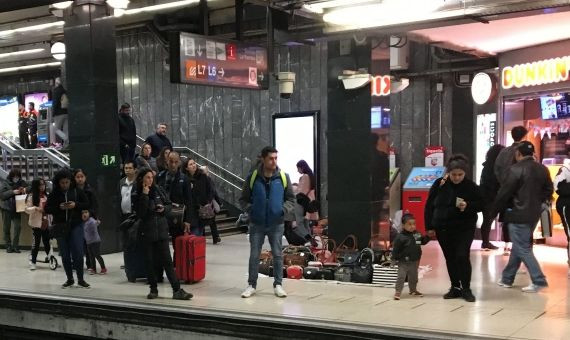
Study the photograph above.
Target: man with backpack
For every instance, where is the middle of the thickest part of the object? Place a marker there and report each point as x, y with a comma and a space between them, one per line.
267, 196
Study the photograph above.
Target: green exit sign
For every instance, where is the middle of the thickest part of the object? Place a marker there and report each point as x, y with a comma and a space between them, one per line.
108, 160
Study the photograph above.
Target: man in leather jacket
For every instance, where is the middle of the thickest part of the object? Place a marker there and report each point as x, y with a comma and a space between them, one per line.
526, 187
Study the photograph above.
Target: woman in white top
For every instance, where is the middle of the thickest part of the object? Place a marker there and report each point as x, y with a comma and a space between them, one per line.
35, 203
307, 186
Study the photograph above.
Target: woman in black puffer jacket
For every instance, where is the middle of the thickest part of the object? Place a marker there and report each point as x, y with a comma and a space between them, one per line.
151, 205
451, 214
489, 189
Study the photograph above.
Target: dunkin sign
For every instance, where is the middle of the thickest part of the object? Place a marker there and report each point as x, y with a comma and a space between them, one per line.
549, 71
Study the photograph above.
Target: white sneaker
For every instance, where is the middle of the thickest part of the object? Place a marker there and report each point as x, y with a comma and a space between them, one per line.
279, 291
248, 292
532, 288
504, 285
32, 266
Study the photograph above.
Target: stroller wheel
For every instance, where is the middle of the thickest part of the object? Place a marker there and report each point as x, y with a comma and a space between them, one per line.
53, 264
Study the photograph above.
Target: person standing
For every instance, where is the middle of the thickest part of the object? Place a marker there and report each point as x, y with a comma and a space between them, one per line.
38, 220
144, 159
9, 188
267, 196
562, 188
162, 159
65, 203
489, 189
81, 183
33, 125
504, 161
23, 126
451, 215
526, 187
127, 133
152, 205
307, 187
93, 241
126, 187
60, 117
158, 140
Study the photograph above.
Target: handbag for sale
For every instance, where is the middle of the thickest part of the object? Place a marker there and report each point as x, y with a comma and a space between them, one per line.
206, 212
347, 251
310, 273
297, 255
385, 274
266, 263
295, 272
325, 250
362, 271
343, 274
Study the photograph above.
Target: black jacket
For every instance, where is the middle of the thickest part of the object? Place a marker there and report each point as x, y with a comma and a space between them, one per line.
178, 191
562, 188
504, 161
56, 197
127, 131
203, 191
407, 246
153, 226
441, 211
526, 187
92, 198
489, 183
7, 188
158, 142
57, 93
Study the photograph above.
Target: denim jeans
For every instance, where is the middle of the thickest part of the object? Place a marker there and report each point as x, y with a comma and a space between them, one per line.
11, 220
522, 252
257, 235
71, 248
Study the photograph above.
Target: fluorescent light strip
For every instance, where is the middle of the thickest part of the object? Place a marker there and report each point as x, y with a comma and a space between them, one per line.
321, 6
29, 67
11, 54
32, 28
159, 7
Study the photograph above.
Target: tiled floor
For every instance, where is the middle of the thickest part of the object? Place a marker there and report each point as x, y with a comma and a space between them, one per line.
498, 312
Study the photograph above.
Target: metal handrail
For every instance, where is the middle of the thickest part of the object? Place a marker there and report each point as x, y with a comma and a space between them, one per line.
210, 162
46, 152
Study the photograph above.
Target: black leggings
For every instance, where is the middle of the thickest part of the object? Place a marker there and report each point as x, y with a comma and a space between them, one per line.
94, 252
455, 242
40, 235
564, 212
158, 256
488, 219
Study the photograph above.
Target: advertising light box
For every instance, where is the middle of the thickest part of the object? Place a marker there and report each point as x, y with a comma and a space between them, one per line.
202, 60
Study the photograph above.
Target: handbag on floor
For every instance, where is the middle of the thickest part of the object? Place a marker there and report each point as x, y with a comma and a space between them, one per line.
362, 271
385, 274
347, 251
295, 272
343, 274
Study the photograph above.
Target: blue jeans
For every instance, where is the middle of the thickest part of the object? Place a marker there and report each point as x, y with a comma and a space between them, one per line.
257, 235
71, 248
521, 234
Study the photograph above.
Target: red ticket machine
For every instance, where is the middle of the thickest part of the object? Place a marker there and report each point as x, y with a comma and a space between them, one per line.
416, 191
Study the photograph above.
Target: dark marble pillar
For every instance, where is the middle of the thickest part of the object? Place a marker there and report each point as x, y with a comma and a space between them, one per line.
91, 77
349, 156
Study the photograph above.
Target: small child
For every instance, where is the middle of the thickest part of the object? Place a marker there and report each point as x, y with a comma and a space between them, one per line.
93, 241
407, 252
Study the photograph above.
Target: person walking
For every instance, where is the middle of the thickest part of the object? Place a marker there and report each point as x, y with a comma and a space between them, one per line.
451, 215
526, 187
307, 187
23, 126
38, 220
127, 133
203, 196
60, 115
504, 161
489, 189
267, 196
65, 203
158, 140
33, 125
152, 205
10, 187
562, 188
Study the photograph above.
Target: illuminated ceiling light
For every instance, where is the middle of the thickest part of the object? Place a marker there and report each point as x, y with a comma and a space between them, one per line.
32, 28
58, 50
24, 52
118, 4
29, 67
160, 7
321, 6
61, 5
389, 12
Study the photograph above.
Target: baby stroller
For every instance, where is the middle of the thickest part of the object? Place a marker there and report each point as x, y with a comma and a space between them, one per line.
50, 258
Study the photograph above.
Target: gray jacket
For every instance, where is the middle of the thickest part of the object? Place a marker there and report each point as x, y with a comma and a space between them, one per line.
7, 188
505, 160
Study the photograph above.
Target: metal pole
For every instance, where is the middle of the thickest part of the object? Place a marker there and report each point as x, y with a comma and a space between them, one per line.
440, 113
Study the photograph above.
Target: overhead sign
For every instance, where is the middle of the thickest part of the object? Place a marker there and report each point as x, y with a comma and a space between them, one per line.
203, 60
380, 86
482, 88
555, 70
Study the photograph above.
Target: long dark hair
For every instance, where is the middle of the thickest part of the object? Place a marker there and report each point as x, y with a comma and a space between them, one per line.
493, 153
35, 192
161, 159
305, 169
78, 170
14, 173
140, 176
62, 174
185, 168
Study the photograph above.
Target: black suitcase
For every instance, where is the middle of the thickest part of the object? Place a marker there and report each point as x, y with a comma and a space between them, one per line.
135, 266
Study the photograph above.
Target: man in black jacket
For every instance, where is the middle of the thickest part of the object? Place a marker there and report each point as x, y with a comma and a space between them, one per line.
526, 187
177, 186
158, 140
127, 133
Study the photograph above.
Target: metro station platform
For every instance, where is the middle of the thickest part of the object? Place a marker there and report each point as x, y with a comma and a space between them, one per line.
114, 308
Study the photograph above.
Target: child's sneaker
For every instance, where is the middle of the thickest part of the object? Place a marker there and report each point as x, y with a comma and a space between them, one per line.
416, 293
103, 271
397, 296
91, 271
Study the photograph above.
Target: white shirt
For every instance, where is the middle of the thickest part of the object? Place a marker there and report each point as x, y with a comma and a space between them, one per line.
126, 196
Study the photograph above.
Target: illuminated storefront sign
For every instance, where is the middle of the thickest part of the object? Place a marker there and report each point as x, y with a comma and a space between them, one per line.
542, 72
380, 86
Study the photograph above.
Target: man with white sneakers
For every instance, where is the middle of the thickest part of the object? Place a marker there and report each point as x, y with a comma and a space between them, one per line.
267, 196
526, 187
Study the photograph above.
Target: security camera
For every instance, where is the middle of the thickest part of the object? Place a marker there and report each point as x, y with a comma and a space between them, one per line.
286, 84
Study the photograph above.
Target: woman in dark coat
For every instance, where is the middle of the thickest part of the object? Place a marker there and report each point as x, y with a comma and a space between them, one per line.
81, 183
451, 214
489, 189
203, 193
9, 188
151, 205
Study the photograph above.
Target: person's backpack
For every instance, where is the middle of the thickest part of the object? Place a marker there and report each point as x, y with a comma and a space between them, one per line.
254, 176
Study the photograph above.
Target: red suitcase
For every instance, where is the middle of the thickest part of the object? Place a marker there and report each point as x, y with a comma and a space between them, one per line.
190, 258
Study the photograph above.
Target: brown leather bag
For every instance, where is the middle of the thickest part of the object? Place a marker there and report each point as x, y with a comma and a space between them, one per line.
296, 256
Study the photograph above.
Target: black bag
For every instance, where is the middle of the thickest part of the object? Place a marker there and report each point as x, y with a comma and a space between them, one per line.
362, 271
311, 273
59, 230
292, 235
343, 274
176, 215
326, 274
